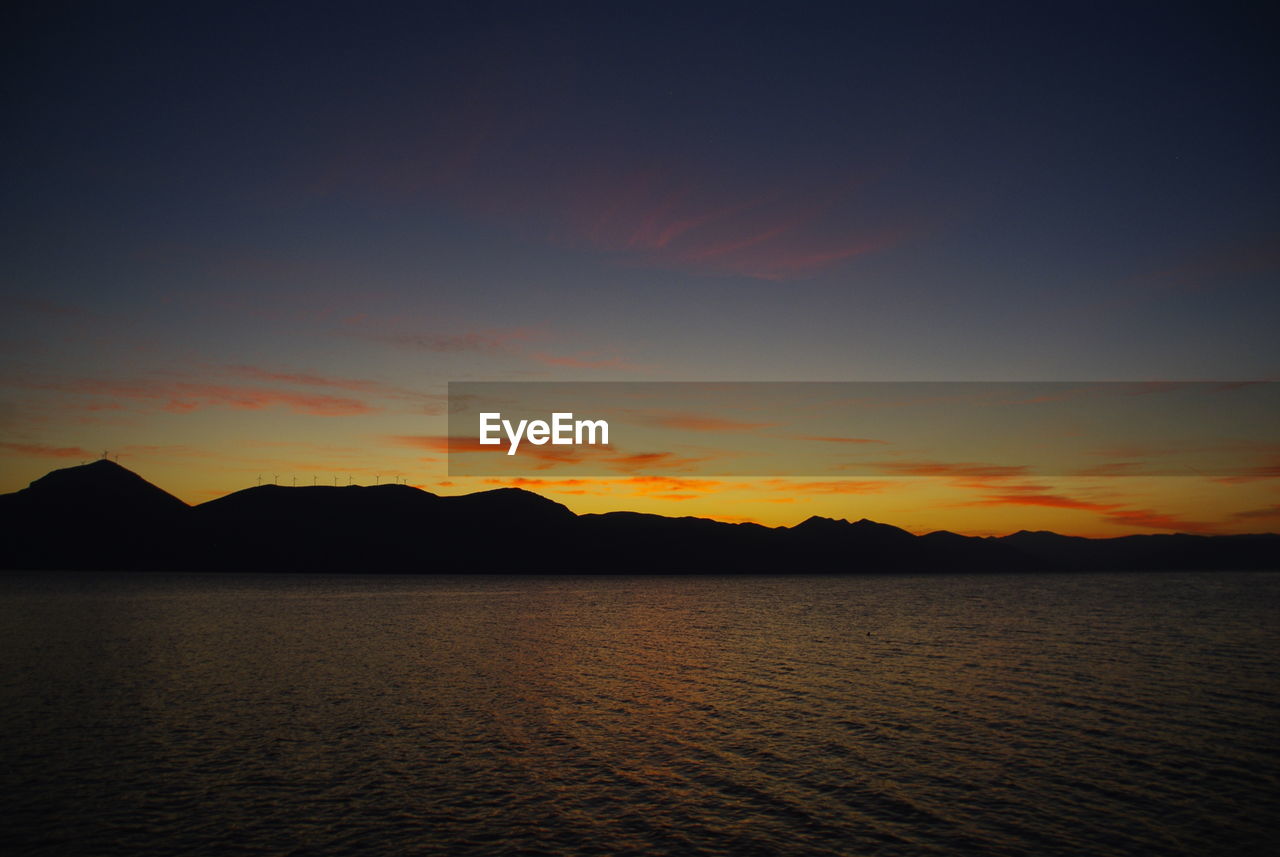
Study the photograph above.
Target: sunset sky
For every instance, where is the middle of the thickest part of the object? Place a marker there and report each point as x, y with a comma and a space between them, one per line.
259, 243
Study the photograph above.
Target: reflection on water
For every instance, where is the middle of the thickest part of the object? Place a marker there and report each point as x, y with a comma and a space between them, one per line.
1039, 715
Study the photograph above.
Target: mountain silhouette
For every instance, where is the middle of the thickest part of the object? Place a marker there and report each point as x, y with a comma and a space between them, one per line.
98, 515
102, 516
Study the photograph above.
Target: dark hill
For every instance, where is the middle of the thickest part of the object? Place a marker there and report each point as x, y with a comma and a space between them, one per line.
102, 516
102, 487
98, 515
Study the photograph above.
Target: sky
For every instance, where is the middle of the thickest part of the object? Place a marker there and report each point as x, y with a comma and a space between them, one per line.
256, 242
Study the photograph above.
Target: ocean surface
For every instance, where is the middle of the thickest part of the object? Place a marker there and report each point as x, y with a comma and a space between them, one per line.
792, 715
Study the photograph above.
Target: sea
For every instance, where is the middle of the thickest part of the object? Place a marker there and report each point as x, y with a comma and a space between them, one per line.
788, 714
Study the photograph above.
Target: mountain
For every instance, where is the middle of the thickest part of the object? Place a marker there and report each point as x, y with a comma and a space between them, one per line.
98, 515
103, 516
378, 528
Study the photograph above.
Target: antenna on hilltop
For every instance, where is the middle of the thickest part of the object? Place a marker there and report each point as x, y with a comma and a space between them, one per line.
376, 478
275, 478
313, 480
348, 478
259, 479
295, 481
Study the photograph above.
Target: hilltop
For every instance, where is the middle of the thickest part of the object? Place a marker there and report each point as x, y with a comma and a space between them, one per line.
104, 516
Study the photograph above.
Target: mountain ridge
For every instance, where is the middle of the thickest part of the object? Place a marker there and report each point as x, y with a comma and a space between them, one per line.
104, 516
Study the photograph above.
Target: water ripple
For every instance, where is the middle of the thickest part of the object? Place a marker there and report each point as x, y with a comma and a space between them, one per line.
1003, 715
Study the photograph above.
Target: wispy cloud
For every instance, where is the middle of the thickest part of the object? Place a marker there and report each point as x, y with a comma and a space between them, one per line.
490, 341
828, 439
1111, 512
687, 421
967, 470
1263, 514
311, 379
47, 451
533, 345
184, 396
833, 486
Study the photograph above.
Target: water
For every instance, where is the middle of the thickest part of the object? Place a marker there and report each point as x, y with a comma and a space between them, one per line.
1007, 715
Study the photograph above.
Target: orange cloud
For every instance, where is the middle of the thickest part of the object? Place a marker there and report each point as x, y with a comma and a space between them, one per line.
1265, 513
1251, 474
528, 482
658, 460
1115, 513
968, 470
311, 379
187, 396
1053, 501
1149, 519
440, 443
701, 422
835, 486
673, 482
826, 439
46, 451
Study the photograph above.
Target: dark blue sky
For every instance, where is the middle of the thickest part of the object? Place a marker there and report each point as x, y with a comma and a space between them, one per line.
503, 191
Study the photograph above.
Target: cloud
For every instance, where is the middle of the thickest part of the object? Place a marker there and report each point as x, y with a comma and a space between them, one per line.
1148, 519
440, 443
310, 379
670, 483
46, 451
632, 462
1053, 501
1116, 468
180, 396
1219, 264
826, 439
967, 470
515, 342
582, 361
834, 486
547, 456
689, 215
1265, 513
491, 341
1114, 513
528, 482
700, 422
1251, 474
41, 306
